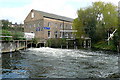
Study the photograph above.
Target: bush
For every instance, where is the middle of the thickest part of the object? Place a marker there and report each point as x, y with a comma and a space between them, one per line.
34, 40
56, 42
104, 45
15, 35
18, 36
6, 33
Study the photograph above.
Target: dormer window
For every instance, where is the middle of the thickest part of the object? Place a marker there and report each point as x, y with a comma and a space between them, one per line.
32, 15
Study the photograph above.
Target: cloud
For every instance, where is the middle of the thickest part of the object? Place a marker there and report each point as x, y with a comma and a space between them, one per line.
13, 14
66, 8
59, 7
18, 14
115, 2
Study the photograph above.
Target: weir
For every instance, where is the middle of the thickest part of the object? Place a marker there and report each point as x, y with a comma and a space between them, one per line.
13, 45
40, 45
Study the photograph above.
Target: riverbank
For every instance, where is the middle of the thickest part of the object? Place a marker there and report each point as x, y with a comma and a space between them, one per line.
11, 46
115, 75
104, 46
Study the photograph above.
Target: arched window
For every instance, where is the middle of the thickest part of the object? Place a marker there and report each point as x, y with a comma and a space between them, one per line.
32, 32
61, 35
56, 34
48, 34
48, 24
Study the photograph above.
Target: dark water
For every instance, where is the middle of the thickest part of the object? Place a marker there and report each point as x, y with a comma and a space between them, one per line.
58, 63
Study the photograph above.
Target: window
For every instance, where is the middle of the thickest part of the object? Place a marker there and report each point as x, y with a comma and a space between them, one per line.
48, 24
71, 27
61, 26
37, 28
60, 34
71, 35
66, 27
26, 25
32, 15
48, 34
34, 25
30, 26
56, 34
39, 24
32, 32
55, 24
66, 35
41, 28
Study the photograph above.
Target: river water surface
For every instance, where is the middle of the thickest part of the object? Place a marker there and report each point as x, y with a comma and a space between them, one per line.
58, 63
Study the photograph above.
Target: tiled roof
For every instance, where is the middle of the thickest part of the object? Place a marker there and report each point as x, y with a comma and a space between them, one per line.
54, 16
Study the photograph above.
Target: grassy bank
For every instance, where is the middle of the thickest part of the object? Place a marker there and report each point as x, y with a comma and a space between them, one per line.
103, 45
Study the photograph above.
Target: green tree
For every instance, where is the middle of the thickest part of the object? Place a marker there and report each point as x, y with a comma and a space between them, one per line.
18, 35
6, 24
85, 23
109, 21
118, 26
78, 26
96, 20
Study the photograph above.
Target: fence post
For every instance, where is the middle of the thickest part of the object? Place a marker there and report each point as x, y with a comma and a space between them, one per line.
67, 45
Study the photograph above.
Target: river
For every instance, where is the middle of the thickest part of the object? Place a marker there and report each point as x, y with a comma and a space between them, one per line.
59, 63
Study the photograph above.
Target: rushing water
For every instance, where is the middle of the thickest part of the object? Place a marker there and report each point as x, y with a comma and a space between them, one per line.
58, 63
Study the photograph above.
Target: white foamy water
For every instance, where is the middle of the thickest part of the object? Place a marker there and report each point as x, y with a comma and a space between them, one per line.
59, 52
60, 63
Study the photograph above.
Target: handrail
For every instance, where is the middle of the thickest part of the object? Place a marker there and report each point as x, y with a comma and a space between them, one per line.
6, 33
5, 36
14, 40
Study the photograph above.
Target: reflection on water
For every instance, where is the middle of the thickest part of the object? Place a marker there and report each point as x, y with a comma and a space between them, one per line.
59, 63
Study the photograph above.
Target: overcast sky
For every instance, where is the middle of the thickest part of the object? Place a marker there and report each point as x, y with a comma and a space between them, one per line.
17, 10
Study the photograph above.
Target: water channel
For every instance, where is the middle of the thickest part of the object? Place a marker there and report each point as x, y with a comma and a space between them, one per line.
59, 63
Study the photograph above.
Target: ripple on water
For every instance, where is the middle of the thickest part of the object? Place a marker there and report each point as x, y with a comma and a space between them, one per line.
60, 63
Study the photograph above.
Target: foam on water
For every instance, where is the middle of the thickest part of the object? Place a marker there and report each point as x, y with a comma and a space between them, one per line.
60, 63
60, 52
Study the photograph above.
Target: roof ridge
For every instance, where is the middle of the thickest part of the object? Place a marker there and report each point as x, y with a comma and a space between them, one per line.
52, 15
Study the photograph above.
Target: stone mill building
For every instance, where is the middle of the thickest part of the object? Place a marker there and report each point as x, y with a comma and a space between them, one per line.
46, 25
